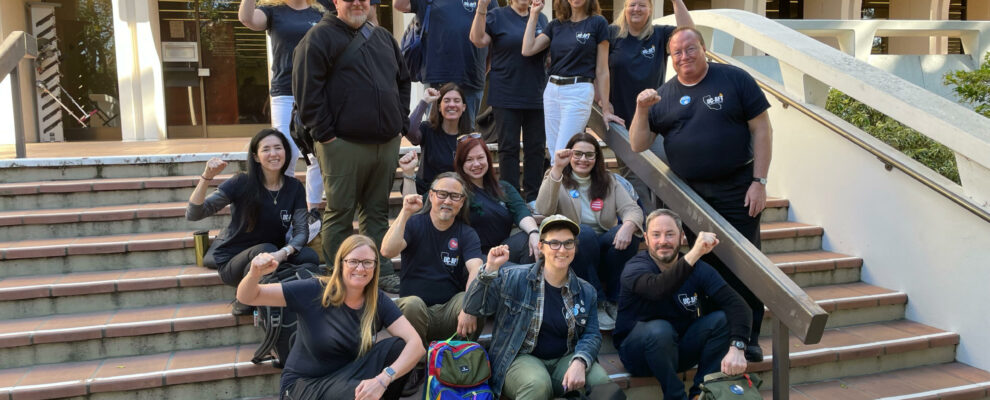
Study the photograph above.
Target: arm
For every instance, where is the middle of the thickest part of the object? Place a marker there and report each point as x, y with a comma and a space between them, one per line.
393, 243
478, 36
411, 353
655, 287
408, 164
311, 66
300, 230
602, 85
253, 18
251, 293
640, 136
467, 323
681, 14
482, 297
547, 197
586, 349
403, 5
199, 206
531, 43
740, 319
430, 96
762, 137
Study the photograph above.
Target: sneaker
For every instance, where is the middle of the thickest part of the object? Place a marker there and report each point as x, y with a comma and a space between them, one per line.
389, 283
612, 309
414, 382
605, 322
753, 353
315, 220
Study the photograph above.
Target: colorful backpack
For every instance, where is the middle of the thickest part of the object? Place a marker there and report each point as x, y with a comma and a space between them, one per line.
457, 370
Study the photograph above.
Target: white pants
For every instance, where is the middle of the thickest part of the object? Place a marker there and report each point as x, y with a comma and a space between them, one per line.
281, 116
566, 109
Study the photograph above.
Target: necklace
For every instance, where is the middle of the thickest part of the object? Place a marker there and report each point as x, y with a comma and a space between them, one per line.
275, 197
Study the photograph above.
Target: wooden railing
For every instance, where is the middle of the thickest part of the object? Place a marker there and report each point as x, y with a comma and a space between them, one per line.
793, 311
17, 46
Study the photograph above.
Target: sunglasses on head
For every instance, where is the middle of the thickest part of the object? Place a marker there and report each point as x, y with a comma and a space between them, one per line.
468, 136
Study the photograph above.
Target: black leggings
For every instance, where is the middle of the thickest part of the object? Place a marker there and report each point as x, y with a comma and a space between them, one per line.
238, 266
342, 383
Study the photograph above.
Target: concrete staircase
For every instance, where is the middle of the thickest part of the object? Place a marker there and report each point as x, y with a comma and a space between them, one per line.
100, 297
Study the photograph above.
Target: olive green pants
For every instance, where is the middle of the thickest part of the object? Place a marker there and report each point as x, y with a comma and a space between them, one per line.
531, 378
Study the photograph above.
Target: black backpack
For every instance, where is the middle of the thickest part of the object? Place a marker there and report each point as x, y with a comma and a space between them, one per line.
300, 135
279, 323
412, 48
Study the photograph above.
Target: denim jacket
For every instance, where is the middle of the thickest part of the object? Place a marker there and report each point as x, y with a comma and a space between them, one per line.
514, 295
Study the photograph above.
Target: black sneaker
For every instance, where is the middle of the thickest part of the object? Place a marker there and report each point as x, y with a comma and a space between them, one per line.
241, 309
389, 283
753, 353
414, 382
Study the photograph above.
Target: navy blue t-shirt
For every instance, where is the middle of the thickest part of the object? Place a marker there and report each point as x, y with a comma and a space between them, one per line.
273, 220
492, 218
438, 152
449, 55
286, 27
704, 126
515, 81
574, 45
433, 261
552, 341
680, 309
635, 65
327, 339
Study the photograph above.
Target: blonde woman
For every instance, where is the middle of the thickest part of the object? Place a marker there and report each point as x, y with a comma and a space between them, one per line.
286, 21
335, 354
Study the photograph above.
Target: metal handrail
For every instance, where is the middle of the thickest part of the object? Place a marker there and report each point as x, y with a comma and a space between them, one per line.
16, 47
792, 308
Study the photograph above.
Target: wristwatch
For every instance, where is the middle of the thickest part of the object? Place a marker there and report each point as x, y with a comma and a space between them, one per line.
390, 372
762, 181
739, 344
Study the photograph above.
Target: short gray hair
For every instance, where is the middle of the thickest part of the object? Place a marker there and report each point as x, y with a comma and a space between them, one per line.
664, 212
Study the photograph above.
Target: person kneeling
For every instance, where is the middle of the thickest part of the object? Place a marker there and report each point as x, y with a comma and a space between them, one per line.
546, 337
661, 328
335, 354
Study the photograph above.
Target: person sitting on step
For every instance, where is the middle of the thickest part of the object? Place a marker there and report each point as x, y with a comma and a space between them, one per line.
437, 137
264, 204
335, 353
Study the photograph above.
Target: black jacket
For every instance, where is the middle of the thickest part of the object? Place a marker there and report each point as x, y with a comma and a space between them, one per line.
366, 101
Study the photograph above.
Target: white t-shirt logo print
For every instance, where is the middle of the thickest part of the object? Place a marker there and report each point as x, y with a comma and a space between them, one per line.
469, 5
582, 37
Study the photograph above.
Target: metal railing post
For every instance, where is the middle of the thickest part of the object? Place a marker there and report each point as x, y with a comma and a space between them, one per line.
781, 361
15, 89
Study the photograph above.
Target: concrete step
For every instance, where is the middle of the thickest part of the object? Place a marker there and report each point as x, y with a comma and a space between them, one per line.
96, 253
143, 166
815, 268
79, 292
209, 373
944, 381
784, 237
125, 332
852, 304
776, 210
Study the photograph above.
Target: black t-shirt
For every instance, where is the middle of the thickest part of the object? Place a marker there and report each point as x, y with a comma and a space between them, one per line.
272, 222
705, 130
680, 309
286, 26
449, 55
515, 81
438, 152
327, 339
635, 65
433, 261
574, 45
552, 341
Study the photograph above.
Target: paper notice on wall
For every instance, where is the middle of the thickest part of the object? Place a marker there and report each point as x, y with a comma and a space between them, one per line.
176, 30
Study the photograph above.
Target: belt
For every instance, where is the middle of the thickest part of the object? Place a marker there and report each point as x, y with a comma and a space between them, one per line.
569, 80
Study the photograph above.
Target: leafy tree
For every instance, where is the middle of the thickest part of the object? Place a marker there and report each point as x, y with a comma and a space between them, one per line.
973, 87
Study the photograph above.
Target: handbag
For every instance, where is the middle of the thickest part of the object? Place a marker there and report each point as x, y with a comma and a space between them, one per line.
412, 44
719, 386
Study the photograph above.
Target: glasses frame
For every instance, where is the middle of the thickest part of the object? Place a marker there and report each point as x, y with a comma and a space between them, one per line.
362, 264
587, 155
443, 195
467, 136
568, 244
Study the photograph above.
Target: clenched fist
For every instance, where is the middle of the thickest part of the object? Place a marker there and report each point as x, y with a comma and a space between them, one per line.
647, 98
412, 203
214, 167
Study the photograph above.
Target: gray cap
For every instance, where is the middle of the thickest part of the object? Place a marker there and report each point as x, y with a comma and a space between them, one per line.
556, 221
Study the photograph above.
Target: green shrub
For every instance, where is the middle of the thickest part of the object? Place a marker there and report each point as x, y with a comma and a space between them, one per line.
932, 154
973, 87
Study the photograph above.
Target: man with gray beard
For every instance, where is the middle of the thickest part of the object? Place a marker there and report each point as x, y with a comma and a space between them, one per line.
662, 328
355, 112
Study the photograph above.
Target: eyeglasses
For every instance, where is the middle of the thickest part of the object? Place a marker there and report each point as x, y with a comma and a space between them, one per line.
443, 195
588, 155
468, 136
555, 244
364, 264
690, 51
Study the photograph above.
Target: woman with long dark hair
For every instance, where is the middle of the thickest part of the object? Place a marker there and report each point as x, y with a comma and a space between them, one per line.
495, 206
579, 187
437, 137
264, 204
335, 353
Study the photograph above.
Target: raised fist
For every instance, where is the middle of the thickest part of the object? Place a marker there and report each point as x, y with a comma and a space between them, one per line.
412, 203
214, 167
409, 162
431, 95
562, 157
647, 98
536, 6
497, 256
264, 264
706, 242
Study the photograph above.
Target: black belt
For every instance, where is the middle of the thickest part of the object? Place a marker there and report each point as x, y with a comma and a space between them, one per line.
570, 80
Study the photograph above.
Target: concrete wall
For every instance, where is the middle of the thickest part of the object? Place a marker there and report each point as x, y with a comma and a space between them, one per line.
13, 17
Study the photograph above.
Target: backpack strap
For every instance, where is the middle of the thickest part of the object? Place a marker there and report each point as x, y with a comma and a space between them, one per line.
264, 351
347, 55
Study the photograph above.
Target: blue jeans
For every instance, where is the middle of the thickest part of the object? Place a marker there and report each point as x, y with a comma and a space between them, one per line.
655, 348
597, 261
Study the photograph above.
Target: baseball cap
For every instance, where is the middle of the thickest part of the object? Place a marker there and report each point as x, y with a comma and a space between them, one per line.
557, 220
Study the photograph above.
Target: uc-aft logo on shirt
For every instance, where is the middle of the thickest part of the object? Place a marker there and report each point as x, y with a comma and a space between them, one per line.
650, 52
469, 5
714, 103
286, 218
449, 260
582, 37
690, 303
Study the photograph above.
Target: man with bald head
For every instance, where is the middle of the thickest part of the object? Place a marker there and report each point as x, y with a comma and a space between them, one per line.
717, 135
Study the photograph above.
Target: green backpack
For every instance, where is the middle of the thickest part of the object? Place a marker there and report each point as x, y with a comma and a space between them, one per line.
719, 386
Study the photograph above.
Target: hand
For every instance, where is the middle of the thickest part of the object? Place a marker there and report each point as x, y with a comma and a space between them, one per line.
466, 323
280, 255
647, 98
562, 158
705, 242
535, 7
497, 256
214, 167
609, 118
756, 199
369, 389
263, 264
534, 245
734, 362
483, 6
574, 377
409, 162
623, 236
412, 203
431, 95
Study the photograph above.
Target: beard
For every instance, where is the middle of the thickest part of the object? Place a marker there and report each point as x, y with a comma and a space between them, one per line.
355, 20
665, 260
